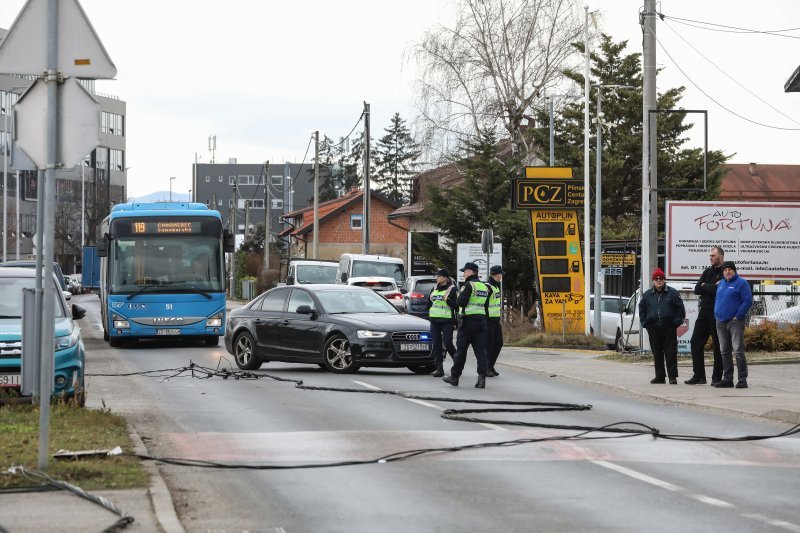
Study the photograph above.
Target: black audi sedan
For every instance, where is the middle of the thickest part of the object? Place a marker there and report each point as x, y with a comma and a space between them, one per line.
338, 327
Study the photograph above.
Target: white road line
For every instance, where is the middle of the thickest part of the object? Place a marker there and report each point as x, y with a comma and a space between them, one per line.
426, 404
712, 501
638, 475
788, 526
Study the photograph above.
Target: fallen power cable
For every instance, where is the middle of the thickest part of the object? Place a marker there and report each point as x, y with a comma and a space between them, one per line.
617, 429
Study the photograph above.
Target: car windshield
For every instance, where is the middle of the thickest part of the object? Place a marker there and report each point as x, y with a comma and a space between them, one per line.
357, 301
11, 302
425, 286
316, 273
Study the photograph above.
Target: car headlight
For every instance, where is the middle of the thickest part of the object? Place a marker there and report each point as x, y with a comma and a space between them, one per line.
214, 321
369, 334
120, 322
68, 341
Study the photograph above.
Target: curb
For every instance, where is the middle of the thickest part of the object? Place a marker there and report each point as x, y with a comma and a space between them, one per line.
160, 497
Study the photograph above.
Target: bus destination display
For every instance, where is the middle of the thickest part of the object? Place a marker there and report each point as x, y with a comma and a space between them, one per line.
140, 227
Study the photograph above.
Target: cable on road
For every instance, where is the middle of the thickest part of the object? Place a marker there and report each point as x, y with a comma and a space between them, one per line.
616, 430
40, 477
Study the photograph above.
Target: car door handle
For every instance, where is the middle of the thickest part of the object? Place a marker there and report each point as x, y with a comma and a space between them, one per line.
285, 323
258, 321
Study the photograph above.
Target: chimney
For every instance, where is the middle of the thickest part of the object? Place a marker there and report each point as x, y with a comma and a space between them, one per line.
752, 169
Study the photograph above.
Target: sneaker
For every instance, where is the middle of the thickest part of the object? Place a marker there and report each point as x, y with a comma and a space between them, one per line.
741, 385
673, 381
658, 380
724, 384
696, 381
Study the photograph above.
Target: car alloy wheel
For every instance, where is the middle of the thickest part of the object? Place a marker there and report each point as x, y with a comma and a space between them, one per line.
337, 356
244, 352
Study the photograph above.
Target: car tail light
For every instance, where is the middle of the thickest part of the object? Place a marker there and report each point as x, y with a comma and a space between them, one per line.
394, 296
416, 295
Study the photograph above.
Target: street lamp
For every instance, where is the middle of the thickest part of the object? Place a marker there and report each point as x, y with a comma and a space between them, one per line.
170, 188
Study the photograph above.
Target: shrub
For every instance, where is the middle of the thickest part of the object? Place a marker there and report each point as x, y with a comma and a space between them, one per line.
769, 337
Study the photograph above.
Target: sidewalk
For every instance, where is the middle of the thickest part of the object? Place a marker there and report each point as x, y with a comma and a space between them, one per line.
774, 394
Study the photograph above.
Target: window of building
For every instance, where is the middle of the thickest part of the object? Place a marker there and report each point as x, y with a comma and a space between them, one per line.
220, 179
247, 180
231, 180
277, 204
219, 203
356, 221
257, 204
116, 159
112, 124
276, 180
208, 179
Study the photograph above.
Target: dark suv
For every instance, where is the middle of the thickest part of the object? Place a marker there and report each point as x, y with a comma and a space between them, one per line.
416, 290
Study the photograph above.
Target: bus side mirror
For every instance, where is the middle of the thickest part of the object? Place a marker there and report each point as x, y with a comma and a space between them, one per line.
228, 242
102, 246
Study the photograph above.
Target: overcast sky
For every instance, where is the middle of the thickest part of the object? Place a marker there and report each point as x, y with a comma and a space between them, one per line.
262, 76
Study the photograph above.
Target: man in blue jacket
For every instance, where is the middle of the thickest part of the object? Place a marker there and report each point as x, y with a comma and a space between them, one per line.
734, 299
661, 311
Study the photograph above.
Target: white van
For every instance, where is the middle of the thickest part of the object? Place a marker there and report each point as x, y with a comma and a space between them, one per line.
305, 271
370, 266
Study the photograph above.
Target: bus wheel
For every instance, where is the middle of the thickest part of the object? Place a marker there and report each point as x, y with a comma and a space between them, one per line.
244, 351
212, 340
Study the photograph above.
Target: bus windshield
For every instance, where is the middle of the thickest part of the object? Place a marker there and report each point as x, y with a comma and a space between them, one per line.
166, 263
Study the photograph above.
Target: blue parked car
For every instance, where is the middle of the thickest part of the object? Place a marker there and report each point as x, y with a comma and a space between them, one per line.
68, 350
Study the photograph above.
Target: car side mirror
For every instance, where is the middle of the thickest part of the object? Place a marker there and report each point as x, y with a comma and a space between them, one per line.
78, 311
344, 277
304, 310
290, 280
67, 295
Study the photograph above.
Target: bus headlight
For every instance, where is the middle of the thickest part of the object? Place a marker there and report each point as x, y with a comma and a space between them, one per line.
68, 341
120, 322
214, 321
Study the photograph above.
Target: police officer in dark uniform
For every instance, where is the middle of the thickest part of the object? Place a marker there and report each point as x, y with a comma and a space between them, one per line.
441, 314
494, 329
706, 325
472, 329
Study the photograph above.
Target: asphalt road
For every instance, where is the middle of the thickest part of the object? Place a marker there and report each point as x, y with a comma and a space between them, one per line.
609, 484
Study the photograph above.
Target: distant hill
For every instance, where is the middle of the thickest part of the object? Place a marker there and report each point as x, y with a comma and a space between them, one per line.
162, 196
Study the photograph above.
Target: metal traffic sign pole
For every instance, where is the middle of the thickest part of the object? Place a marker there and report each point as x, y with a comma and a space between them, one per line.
71, 49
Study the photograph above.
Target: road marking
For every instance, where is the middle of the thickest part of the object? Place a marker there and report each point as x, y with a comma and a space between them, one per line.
426, 404
712, 501
771, 521
638, 475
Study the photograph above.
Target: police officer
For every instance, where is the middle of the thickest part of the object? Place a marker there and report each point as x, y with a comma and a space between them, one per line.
494, 329
472, 329
441, 313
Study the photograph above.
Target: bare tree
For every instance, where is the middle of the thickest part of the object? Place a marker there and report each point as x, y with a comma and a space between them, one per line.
489, 69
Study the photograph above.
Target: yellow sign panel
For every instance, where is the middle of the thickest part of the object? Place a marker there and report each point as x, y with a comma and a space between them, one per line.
548, 172
617, 259
560, 269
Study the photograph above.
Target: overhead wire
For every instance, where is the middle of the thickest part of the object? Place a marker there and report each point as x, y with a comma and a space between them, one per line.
728, 29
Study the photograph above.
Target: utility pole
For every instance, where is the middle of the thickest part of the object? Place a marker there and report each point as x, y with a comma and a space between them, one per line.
586, 183
267, 216
246, 218
552, 136
365, 221
315, 246
233, 255
649, 179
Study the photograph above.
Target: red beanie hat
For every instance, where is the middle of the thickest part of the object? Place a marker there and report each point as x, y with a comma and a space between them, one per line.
658, 273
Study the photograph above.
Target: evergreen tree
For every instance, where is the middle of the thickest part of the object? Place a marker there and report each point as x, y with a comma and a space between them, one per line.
327, 184
678, 167
483, 200
395, 156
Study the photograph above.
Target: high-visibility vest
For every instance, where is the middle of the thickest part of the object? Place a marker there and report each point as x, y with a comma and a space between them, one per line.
477, 300
439, 307
494, 302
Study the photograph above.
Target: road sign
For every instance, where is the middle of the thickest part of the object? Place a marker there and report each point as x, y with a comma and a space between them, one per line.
78, 123
80, 52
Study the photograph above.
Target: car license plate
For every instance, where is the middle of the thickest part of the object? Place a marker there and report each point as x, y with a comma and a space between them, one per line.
171, 331
415, 347
9, 380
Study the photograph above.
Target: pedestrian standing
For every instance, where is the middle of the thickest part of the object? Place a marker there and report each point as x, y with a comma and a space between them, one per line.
734, 299
472, 326
661, 311
494, 327
441, 314
706, 325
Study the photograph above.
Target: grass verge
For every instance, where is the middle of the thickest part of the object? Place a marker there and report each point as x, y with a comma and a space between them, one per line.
74, 429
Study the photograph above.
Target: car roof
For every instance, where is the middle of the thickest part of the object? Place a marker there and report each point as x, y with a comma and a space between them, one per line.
17, 272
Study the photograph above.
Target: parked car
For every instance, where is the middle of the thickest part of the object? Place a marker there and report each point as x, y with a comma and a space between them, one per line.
69, 353
32, 264
610, 310
338, 327
386, 287
360, 265
304, 272
782, 318
416, 290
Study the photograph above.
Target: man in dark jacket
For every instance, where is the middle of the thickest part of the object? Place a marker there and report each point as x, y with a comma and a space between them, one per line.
734, 299
661, 311
494, 310
706, 324
472, 329
441, 314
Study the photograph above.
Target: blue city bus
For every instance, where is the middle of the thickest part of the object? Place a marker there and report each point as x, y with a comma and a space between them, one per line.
162, 272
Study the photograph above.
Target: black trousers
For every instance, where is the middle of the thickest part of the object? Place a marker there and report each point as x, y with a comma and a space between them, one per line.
705, 327
471, 332
494, 340
442, 335
664, 344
